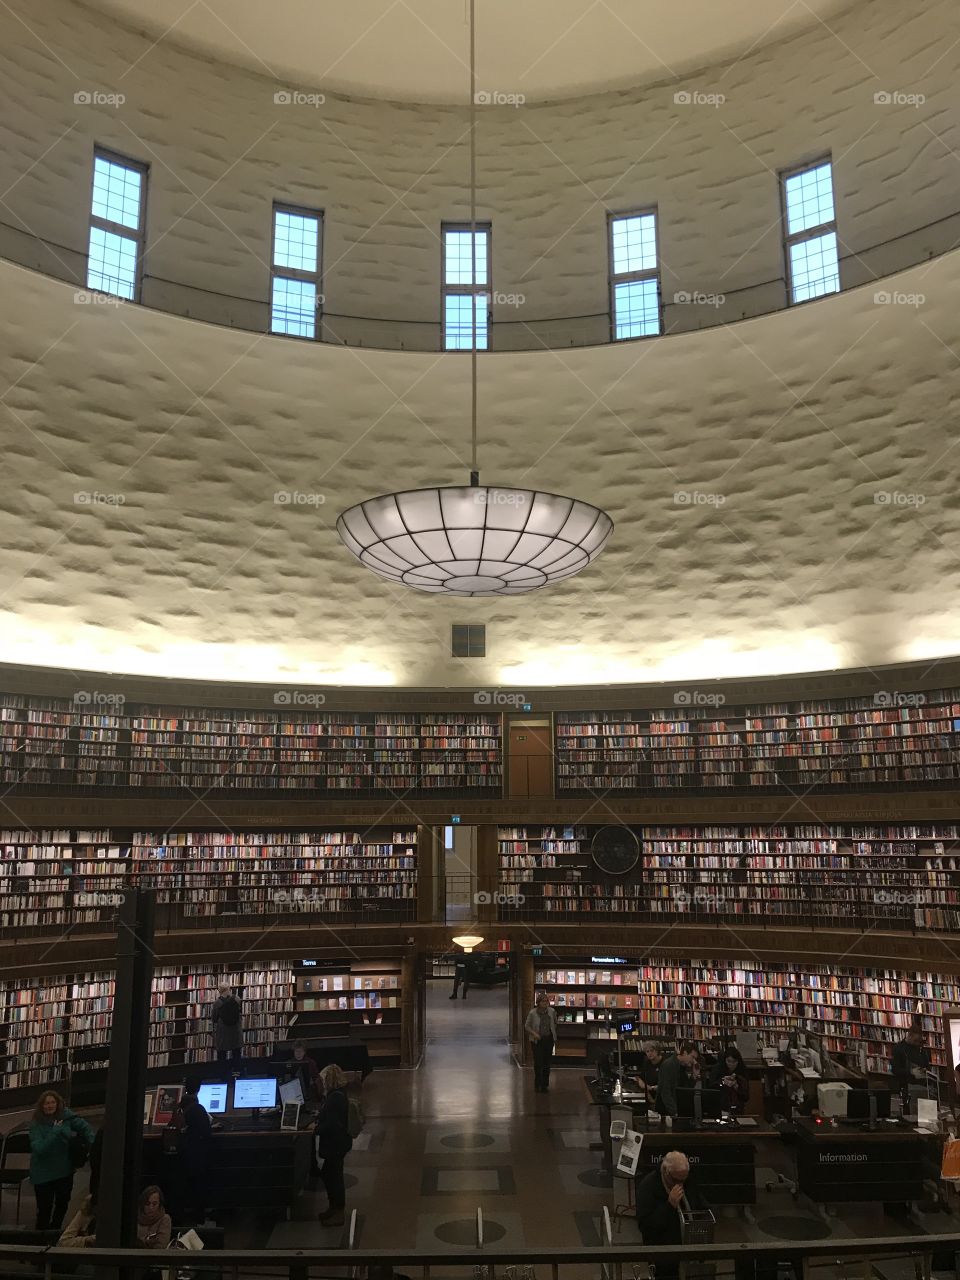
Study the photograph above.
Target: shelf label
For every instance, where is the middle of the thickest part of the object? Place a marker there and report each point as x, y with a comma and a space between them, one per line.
607, 960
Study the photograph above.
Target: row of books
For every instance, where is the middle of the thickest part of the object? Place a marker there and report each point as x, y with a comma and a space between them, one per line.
871, 1006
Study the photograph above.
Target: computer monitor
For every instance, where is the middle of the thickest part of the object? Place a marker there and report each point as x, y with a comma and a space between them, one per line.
868, 1104
700, 1104
291, 1091
212, 1096
255, 1093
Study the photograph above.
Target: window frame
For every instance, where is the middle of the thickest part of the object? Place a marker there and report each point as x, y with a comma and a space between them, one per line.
465, 290
625, 277
296, 273
117, 228
810, 233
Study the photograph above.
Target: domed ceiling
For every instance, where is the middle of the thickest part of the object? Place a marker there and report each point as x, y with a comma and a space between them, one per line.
416, 50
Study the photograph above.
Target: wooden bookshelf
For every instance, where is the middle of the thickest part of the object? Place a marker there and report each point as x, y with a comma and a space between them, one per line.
67, 743
888, 740
584, 997
359, 999
182, 1000
43, 1019
346, 874
902, 876
699, 999
53, 879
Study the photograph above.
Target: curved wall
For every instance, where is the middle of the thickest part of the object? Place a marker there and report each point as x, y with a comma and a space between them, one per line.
221, 150
783, 491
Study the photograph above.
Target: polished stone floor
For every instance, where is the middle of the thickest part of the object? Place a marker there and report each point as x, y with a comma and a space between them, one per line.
466, 1131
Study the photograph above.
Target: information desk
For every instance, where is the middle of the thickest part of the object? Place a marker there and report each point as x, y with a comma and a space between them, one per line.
844, 1164
256, 1167
722, 1161
722, 1156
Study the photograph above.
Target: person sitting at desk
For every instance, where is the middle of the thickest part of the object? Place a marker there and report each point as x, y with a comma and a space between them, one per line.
730, 1076
677, 1072
659, 1196
911, 1060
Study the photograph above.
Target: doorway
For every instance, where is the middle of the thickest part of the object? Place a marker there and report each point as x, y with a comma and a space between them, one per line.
530, 760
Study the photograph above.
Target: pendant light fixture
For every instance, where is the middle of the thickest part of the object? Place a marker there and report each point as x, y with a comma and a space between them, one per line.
474, 540
468, 941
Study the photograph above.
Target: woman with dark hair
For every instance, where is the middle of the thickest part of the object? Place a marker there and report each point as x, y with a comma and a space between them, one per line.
730, 1076
51, 1161
153, 1222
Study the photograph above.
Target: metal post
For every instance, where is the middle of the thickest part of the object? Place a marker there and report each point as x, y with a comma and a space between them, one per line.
126, 1077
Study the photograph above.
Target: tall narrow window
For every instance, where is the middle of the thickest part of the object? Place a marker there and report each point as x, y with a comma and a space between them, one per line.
466, 288
634, 275
115, 252
295, 297
810, 232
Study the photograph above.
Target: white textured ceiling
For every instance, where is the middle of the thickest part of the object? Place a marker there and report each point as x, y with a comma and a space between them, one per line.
417, 50
785, 501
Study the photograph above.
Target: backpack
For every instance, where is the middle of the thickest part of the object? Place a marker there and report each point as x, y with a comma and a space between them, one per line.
354, 1118
78, 1149
230, 1012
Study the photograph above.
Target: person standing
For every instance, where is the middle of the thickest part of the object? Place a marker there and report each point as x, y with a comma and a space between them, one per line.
541, 1027
659, 1197
227, 1018
53, 1130
195, 1151
679, 1071
650, 1063
462, 973
307, 1072
910, 1061
333, 1141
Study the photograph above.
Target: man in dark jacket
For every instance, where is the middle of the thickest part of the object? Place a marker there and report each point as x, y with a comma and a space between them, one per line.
195, 1152
227, 1025
659, 1194
677, 1072
910, 1061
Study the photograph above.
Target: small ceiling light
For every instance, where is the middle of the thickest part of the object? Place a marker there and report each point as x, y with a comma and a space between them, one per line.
477, 540
468, 941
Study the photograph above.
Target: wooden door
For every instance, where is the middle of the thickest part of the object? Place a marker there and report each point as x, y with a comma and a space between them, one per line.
531, 761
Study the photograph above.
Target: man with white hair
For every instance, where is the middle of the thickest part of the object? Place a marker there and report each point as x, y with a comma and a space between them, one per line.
659, 1194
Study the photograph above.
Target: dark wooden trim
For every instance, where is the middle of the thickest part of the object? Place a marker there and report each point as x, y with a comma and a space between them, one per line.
219, 811
871, 948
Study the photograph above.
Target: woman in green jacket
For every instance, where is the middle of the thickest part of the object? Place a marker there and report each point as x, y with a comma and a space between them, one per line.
51, 1166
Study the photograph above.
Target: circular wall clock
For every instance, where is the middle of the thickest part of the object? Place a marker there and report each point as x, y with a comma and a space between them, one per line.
615, 850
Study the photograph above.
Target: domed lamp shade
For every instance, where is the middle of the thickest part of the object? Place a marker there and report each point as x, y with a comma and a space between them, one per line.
476, 540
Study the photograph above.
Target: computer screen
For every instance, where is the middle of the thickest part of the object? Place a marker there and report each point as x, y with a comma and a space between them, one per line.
213, 1098
290, 1091
256, 1092
858, 1104
711, 1103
